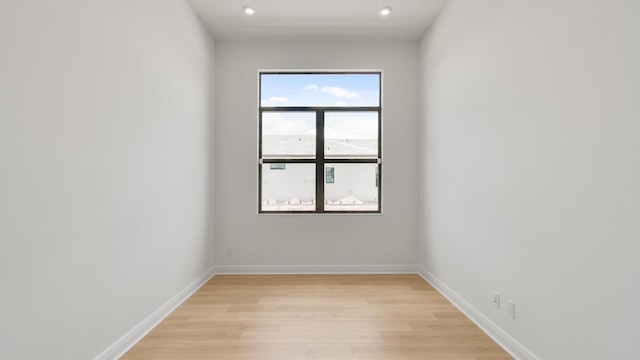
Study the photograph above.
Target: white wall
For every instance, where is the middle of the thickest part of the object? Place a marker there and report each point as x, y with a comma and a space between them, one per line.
530, 168
105, 120
308, 240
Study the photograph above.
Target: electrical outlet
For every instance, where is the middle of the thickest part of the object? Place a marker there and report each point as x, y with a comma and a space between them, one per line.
229, 251
511, 309
496, 300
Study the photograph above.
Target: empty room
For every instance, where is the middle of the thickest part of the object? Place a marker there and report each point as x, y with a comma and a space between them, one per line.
319, 180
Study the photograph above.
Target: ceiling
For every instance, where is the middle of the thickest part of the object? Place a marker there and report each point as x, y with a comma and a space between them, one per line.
317, 19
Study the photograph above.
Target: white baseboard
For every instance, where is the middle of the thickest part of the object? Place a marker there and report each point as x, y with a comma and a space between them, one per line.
511, 345
128, 340
316, 269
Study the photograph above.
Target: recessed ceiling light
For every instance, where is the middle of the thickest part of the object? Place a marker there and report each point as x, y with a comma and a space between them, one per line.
385, 11
248, 10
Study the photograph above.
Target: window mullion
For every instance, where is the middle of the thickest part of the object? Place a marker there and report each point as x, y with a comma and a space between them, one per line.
320, 161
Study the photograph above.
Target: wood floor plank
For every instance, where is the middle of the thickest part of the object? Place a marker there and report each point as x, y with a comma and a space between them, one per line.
286, 308
397, 315
279, 349
317, 317
418, 350
346, 325
400, 357
269, 315
349, 337
446, 327
418, 337
198, 324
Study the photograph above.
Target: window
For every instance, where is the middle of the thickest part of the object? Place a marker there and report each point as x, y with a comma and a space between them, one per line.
330, 175
320, 148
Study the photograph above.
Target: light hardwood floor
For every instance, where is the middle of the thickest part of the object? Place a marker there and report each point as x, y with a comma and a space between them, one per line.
317, 317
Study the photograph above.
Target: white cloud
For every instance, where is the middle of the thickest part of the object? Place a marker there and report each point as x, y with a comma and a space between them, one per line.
288, 123
275, 100
312, 87
340, 92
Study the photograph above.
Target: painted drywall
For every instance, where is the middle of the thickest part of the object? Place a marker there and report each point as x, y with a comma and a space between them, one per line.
530, 168
310, 240
105, 121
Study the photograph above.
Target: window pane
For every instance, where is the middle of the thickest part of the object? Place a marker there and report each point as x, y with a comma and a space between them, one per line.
354, 188
278, 90
288, 134
351, 134
292, 188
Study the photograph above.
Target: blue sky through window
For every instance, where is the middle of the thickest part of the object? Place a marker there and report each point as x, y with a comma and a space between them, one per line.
320, 90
